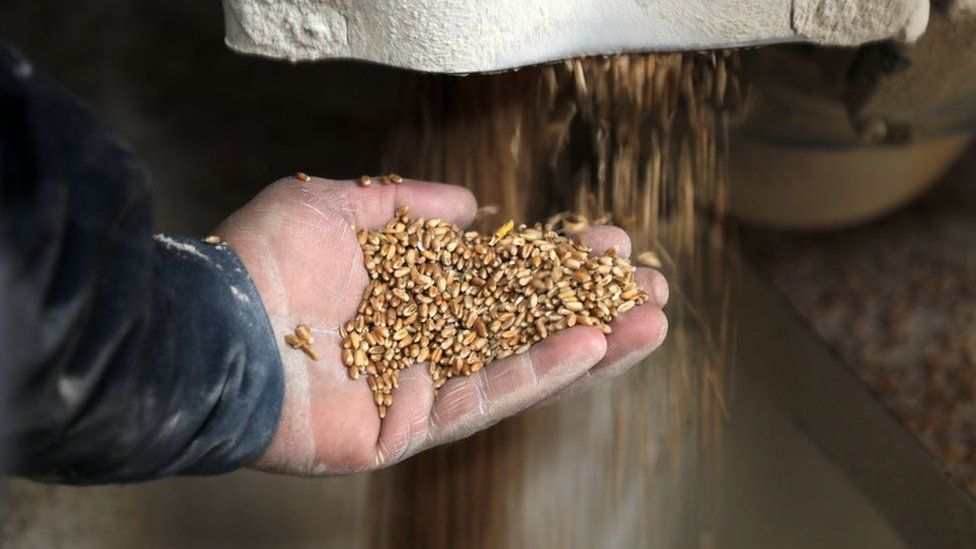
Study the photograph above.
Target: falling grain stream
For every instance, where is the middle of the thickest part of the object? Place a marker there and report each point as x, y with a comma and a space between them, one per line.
639, 140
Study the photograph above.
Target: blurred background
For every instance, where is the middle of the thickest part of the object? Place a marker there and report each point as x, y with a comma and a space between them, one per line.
851, 422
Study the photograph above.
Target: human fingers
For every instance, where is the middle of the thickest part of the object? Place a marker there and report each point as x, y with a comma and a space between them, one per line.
603, 237
299, 245
372, 207
407, 421
636, 334
465, 405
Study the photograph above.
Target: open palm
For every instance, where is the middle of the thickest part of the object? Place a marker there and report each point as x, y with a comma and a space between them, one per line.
298, 242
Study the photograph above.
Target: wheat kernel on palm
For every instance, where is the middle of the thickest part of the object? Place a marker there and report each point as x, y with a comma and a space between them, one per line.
302, 340
460, 300
304, 333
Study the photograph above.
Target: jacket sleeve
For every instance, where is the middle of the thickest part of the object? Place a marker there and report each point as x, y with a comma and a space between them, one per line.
123, 356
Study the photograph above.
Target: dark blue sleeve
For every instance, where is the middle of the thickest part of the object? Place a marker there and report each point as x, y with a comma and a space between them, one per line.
123, 356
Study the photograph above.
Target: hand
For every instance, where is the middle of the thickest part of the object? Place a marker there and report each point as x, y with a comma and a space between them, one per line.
298, 242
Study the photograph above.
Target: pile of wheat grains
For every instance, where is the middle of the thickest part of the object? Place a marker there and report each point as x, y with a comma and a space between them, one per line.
459, 300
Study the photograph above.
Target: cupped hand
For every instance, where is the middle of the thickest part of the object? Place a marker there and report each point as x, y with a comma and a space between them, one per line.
298, 242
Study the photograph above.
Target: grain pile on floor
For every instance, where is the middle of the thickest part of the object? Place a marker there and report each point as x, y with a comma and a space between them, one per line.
459, 300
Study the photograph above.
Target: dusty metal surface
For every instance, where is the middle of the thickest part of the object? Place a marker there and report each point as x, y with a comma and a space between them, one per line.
840, 415
895, 303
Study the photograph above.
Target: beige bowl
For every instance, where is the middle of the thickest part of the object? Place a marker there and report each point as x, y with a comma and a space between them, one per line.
807, 188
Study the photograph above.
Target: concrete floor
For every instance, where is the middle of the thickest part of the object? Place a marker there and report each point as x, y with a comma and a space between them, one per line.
214, 128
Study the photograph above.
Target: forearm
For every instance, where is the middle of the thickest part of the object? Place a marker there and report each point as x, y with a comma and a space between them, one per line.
126, 357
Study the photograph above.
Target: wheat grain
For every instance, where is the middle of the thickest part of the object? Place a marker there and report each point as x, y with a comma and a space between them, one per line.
434, 291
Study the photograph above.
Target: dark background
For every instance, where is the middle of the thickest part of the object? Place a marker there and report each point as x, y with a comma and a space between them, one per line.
213, 126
